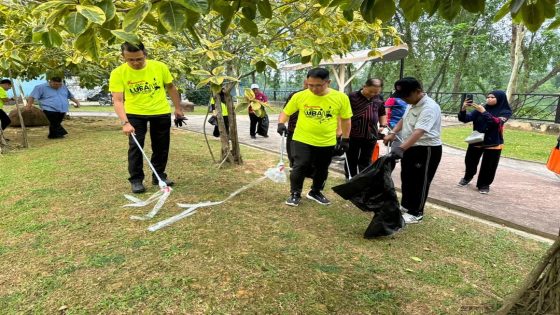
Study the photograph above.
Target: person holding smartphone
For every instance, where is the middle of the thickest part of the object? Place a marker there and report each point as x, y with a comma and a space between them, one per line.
488, 119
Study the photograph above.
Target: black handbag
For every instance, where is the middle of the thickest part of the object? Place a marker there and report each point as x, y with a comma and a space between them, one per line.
213, 121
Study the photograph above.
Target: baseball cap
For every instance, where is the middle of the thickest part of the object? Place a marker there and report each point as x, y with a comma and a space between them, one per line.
405, 86
254, 86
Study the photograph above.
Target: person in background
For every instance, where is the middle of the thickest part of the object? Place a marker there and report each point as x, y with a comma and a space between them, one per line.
292, 126
53, 97
395, 108
421, 149
367, 112
222, 96
139, 93
256, 121
5, 85
314, 140
488, 119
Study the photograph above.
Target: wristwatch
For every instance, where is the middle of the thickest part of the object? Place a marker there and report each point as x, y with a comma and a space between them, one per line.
124, 122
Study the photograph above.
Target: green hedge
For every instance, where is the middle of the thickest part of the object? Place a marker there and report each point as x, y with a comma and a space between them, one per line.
199, 97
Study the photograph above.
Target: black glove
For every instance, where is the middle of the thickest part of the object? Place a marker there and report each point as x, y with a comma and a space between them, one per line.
282, 129
397, 151
180, 120
341, 147
345, 144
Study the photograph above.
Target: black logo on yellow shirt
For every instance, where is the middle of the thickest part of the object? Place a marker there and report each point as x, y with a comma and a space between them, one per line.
318, 113
143, 87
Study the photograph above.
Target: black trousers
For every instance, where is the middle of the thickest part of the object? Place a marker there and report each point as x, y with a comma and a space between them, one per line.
255, 124
418, 167
308, 158
160, 126
55, 124
4, 119
488, 167
216, 132
289, 148
358, 155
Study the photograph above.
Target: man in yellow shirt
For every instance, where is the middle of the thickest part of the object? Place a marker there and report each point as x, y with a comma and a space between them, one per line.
314, 139
5, 85
138, 88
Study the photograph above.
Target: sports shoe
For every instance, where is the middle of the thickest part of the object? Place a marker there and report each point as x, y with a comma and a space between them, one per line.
253, 137
403, 209
167, 181
412, 219
463, 182
318, 196
484, 190
137, 187
294, 199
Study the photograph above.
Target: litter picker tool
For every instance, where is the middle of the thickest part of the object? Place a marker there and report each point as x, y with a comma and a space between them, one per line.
161, 196
278, 174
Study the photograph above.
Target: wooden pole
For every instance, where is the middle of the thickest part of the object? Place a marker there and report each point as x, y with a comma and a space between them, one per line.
25, 141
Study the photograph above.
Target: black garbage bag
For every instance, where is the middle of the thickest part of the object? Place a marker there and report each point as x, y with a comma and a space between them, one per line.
263, 126
373, 190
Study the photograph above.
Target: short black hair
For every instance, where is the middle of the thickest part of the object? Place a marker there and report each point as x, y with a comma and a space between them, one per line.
6, 81
371, 82
406, 86
56, 79
126, 46
320, 73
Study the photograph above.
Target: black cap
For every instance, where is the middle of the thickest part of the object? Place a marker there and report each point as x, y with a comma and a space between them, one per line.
405, 86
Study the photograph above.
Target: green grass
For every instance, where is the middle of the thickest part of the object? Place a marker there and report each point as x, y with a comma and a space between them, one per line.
519, 144
66, 240
198, 110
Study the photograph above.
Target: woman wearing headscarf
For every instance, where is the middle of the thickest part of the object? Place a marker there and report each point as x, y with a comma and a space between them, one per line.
488, 119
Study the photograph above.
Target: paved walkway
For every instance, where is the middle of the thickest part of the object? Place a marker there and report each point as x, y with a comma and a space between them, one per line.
524, 195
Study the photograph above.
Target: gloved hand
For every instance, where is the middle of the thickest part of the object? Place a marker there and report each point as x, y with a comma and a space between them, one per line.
282, 129
345, 144
180, 120
397, 151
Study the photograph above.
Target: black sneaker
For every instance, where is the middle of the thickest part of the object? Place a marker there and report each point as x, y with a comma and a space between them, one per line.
294, 200
167, 181
484, 190
253, 137
464, 182
137, 187
318, 196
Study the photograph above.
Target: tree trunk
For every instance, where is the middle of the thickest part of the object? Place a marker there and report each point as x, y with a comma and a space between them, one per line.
542, 81
233, 153
540, 293
519, 34
442, 68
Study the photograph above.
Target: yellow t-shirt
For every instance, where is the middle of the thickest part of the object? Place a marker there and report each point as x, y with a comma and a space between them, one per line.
3, 94
224, 106
144, 89
317, 117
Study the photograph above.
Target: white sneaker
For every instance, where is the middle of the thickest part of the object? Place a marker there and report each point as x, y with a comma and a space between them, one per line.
411, 219
403, 209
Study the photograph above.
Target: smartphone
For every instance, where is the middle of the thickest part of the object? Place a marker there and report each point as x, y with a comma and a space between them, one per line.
469, 98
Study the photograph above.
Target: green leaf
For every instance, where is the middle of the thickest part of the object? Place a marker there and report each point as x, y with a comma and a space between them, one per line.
218, 70
366, 9
250, 12
305, 59
555, 24
126, 36
271, 63
192, 17
549, 8
448, 9
502, 12
172, 15
51, 5
416, 258
92, 13
473, 6
136, 16
227, 18
200, 6
108, 7
265, 9
348, 15
75, 23
384, 9
51, 39
350, 5
533, 15
412, 9
430, 6
516, 5
249, 26
88, 44
260, 66
306, 52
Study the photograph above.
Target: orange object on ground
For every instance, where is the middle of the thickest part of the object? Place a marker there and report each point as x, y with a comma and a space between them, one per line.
553, 163
375, 154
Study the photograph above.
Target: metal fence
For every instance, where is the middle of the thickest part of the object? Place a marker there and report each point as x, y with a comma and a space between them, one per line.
537, 107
